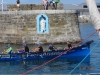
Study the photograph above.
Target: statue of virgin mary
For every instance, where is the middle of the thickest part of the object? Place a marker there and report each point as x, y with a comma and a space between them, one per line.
43, 25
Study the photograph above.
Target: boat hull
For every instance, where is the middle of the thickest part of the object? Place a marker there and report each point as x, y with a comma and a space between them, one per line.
80, 51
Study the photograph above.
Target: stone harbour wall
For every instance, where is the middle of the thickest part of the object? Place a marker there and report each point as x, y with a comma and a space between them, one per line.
17, 27
13, 7
84, 19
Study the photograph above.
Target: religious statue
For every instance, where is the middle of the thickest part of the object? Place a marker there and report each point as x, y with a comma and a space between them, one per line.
43, 25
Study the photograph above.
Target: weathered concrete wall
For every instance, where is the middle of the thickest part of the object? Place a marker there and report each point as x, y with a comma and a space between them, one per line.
16, 27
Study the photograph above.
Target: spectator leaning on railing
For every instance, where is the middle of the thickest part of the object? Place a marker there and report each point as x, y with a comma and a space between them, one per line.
56, 2
45, 4
18, 4
53, 4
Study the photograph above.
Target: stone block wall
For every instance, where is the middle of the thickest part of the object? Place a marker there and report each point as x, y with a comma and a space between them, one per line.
17, 27
13, 7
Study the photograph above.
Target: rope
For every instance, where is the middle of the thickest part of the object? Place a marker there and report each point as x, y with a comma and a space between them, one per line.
59, 54
87, 37
85, 57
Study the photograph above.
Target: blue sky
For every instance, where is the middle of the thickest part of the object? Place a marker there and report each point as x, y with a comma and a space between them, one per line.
40, 1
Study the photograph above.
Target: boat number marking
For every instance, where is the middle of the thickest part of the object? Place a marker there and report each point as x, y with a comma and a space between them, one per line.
5, 56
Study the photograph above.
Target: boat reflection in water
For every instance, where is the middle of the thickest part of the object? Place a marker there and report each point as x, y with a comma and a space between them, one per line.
58, 66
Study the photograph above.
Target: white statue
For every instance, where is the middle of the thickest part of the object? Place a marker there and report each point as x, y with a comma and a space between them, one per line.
43, 24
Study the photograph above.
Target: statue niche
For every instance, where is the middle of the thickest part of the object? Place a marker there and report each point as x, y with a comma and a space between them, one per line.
42, 24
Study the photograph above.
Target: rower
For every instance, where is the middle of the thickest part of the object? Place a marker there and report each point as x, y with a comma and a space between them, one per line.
51, 47
24, 48
39, 48
69, 45
8, 49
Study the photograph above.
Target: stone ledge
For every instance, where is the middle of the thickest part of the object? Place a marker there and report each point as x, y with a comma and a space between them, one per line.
39, 12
